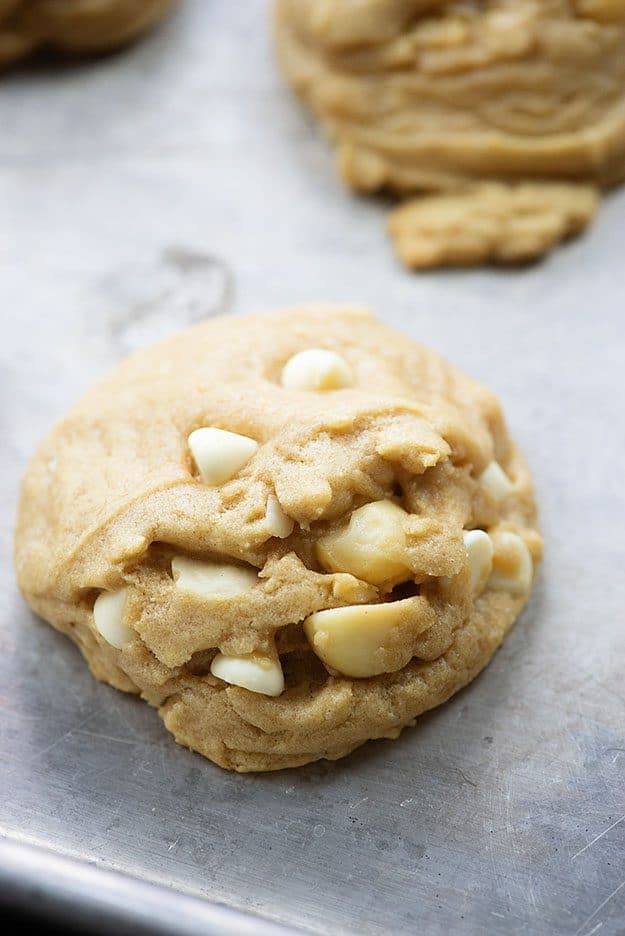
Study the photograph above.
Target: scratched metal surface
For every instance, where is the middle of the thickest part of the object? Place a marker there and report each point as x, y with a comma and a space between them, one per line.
180, 179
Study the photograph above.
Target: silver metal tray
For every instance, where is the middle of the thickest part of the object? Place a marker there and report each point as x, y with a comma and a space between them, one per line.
179, 179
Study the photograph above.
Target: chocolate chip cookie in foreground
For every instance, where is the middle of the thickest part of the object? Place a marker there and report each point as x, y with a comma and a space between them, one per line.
289, 532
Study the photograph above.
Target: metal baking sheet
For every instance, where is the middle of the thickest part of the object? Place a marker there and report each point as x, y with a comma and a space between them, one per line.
178, 179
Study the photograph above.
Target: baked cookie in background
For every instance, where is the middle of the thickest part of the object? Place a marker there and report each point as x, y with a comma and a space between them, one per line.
290, 533
73, 26
510, 114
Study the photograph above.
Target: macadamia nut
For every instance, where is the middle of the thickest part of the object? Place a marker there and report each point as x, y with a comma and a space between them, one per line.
372, 546
512, 564
359, 640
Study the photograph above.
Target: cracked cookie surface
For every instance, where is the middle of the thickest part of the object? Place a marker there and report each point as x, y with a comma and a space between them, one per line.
290, 532
440, 96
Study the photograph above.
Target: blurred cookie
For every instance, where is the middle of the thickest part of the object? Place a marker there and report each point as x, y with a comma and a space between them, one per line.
439, 96
74, 26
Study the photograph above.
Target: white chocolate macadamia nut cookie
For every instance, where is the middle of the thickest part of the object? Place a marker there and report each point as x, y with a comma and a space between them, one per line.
74, 26
290, 533
499, 119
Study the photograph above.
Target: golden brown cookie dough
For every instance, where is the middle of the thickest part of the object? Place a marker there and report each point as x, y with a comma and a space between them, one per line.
75, 26
439, 96
289, 532
491, 221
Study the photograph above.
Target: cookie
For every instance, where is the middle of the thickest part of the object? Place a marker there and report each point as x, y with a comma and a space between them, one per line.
74, 26
290, 533
441, 97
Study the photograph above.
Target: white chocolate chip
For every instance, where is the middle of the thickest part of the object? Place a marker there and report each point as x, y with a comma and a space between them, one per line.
219, 454
372, 547
479, 547
354, 640
512, 564
316, 369
496, 482
277, 521
211, 579
254, 672
108, 617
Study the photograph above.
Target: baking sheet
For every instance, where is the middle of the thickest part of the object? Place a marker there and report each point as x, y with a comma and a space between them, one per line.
179, 179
